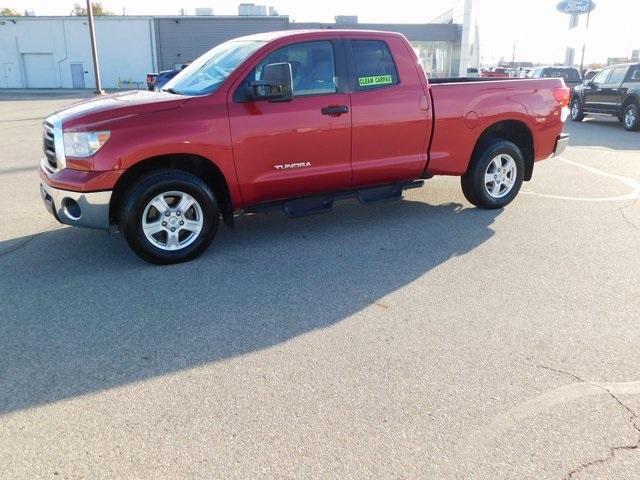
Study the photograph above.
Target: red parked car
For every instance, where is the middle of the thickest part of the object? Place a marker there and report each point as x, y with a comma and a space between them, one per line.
290, 121
495, 72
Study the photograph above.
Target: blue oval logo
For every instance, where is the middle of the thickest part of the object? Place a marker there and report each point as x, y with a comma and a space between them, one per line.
576, 7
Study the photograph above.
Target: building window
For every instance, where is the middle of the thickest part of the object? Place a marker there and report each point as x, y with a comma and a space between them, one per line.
435, 57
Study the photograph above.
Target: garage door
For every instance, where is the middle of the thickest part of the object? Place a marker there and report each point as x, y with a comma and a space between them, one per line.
40, 70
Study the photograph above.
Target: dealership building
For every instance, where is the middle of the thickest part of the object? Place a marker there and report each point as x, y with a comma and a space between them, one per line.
55, 52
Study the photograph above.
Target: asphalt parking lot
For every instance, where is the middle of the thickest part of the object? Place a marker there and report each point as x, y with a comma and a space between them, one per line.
415, 339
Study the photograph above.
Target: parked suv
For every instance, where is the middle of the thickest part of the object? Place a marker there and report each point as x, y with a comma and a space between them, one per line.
614, 91
570, 75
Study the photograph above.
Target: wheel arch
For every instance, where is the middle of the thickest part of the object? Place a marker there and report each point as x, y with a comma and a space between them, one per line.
631, 98
515, 131
197, 165
576, 95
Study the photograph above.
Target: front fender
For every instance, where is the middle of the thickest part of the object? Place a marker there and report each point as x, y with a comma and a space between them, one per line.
198, 128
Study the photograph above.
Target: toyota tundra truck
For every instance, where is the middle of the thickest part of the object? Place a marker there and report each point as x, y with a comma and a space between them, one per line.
291, 121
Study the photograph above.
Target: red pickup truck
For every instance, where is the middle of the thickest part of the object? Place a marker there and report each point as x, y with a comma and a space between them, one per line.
292, 121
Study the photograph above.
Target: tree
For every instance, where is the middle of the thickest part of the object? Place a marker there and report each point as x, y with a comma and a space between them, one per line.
9, 12
98, 10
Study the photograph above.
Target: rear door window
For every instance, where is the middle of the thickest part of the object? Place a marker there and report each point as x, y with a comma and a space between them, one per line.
617, 75
373, 64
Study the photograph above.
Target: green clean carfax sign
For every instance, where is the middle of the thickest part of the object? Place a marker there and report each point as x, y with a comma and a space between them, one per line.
376, 80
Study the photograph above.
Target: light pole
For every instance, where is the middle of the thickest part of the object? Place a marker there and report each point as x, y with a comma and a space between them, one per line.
584, 45
94, 50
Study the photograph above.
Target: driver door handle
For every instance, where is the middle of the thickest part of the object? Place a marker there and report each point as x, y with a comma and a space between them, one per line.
335, 110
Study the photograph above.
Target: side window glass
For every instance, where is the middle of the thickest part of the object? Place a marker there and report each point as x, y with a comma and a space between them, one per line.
634, 74
313, 67
617, 75
374, 66
602, 76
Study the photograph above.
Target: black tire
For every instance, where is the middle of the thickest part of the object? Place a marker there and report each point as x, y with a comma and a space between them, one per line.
146, 189
577, 115
631, 117
473, 181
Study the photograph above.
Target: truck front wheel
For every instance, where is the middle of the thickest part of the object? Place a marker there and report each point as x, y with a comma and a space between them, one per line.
577, 115
169, 216
631, 117
495, 175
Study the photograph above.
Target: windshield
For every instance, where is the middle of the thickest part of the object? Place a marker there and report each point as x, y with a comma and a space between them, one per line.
206, 73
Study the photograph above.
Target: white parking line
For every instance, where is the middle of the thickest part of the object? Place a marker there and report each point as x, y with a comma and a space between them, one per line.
630, 182
517, 415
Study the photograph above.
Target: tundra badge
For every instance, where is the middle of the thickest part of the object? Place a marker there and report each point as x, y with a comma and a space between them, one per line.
292, 165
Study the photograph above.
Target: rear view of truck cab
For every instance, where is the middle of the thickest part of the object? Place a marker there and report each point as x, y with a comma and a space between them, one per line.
291, 121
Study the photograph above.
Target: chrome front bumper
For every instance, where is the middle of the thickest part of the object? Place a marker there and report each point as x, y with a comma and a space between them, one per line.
79, 209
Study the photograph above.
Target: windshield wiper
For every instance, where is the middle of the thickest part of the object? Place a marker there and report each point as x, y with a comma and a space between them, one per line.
170, 90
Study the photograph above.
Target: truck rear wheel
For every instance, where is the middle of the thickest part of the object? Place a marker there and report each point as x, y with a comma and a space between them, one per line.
495, 175
169, 216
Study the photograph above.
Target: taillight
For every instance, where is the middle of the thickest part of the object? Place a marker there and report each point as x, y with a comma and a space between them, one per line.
563, 95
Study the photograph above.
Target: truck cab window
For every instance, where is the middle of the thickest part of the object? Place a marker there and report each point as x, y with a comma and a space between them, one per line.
313, 67
374, 66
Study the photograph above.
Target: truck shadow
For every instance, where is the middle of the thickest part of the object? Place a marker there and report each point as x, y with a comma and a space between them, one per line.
81, 314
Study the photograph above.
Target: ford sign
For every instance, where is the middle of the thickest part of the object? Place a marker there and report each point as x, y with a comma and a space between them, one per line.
576, 7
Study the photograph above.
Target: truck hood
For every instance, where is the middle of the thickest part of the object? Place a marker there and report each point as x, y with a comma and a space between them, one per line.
112, 107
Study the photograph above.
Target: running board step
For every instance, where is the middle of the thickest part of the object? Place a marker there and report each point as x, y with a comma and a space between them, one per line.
308, 206
301, 207
377, 194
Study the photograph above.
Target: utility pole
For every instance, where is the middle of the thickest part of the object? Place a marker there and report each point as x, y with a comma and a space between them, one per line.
94, 50
513, 56
584, 45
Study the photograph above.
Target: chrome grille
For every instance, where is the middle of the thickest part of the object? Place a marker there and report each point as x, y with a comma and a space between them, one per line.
49, 145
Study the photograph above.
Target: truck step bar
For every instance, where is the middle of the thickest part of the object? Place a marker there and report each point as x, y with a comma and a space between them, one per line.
301, 207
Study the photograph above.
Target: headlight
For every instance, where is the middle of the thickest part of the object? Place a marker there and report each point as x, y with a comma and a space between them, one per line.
84, 144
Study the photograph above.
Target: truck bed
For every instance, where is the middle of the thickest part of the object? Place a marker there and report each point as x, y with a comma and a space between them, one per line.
467, 106
471, 79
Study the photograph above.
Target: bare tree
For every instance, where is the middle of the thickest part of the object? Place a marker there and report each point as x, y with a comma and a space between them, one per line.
9, 12
98, 10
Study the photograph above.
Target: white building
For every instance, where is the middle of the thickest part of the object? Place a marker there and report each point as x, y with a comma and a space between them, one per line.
201, 11
55, 52
465, 14
250, 9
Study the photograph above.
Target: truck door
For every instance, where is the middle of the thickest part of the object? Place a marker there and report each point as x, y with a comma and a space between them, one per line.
612, 91
300, 147
390, 112
594, 96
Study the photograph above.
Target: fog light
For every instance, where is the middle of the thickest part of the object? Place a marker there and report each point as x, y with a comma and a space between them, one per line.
71, 208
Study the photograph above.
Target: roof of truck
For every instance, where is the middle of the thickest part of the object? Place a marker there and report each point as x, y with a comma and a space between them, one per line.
269, 36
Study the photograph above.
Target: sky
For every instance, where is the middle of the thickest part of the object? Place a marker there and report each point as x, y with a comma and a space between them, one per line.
537, 30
